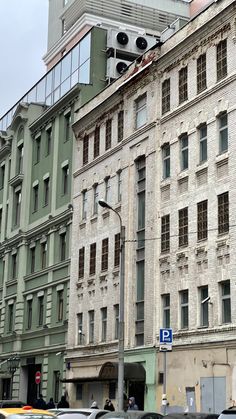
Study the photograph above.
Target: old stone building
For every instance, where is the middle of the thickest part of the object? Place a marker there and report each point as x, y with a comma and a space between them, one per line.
157, 145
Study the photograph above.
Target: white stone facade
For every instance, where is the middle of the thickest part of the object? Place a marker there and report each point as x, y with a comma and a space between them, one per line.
203, 355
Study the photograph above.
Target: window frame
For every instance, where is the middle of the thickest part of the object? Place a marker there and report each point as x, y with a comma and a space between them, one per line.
202, 130
105, 254
165, 102
92, 259
166, 161
85, 149
103, 324
141, 111
81, 262
226, 298
96, 149
221, 60
184, 309
202, 220
166, 310
201, 73
184, 152
183, 85
223, 141
120, 126
183, 227
165, 233
108, 134
223, 213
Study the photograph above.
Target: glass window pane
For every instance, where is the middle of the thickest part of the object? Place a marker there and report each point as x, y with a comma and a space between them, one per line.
65, 87
49, 83
41, 91
84, 49
56, 95
66, 67
84, 73
75, 59
74, 78
32, 95
57, 75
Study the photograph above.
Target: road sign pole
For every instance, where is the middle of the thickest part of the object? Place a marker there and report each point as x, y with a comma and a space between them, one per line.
164, 382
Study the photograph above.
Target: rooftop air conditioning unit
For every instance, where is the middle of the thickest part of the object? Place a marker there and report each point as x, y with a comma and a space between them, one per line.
116, 67
129, 41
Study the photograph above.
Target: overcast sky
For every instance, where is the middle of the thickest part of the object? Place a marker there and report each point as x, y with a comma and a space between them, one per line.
23, 42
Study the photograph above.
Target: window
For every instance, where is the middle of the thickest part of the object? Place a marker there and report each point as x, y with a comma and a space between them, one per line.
96, 149
165, 233
139, 324
84, 205
37, 150
92, 264
223, 213
17, 199
32, 259
117, 250
116, 318
104, 324
67, 126
65, 179
166, 310
91, 326
201, 73
95, 199
85, 149
183, 85
226, 303
48, 141
183, 227
108, 134
184, 309
184, 152
119, 183
43, 255
10, 317
202, 220
62, 246
221, 59
107, 181
204, 306
35, 198
80, 328
223, 132
60, 305
203, 143
81, 262
166, 96
19, 159
120, 126
105, 251
46, 184
56, 385
29, 314
14, 265
141, 111
166, 161
2, 176
40, 310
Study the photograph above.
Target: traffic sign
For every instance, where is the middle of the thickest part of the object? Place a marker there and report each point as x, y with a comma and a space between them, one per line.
37, 377
166, 336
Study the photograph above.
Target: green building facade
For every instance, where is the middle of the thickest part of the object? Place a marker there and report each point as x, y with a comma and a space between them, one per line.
36, 166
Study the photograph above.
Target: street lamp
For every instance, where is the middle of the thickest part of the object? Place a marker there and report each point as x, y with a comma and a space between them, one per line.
104, 204
12, 365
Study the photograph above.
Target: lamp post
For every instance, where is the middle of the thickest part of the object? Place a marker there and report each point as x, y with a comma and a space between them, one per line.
104, 204
12, 365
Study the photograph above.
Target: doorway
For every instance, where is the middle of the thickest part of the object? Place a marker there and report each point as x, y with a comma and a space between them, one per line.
34, 389
6, 388
136, 390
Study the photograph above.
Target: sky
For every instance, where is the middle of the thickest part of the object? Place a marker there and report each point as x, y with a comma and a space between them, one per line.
23, 42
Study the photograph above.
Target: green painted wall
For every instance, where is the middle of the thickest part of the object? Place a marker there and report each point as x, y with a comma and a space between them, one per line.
148, 359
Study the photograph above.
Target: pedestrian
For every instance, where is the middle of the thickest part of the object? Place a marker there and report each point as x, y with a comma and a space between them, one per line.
50, 404
94, 405
40, 403
109, 405
63, 403
132, 405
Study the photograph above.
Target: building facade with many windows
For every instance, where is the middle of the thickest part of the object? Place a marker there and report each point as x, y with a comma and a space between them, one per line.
171, 178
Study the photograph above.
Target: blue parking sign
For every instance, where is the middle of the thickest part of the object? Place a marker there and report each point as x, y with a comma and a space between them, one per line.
166, 336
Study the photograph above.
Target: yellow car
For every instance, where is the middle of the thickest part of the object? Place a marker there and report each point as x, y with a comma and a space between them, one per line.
26, 412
